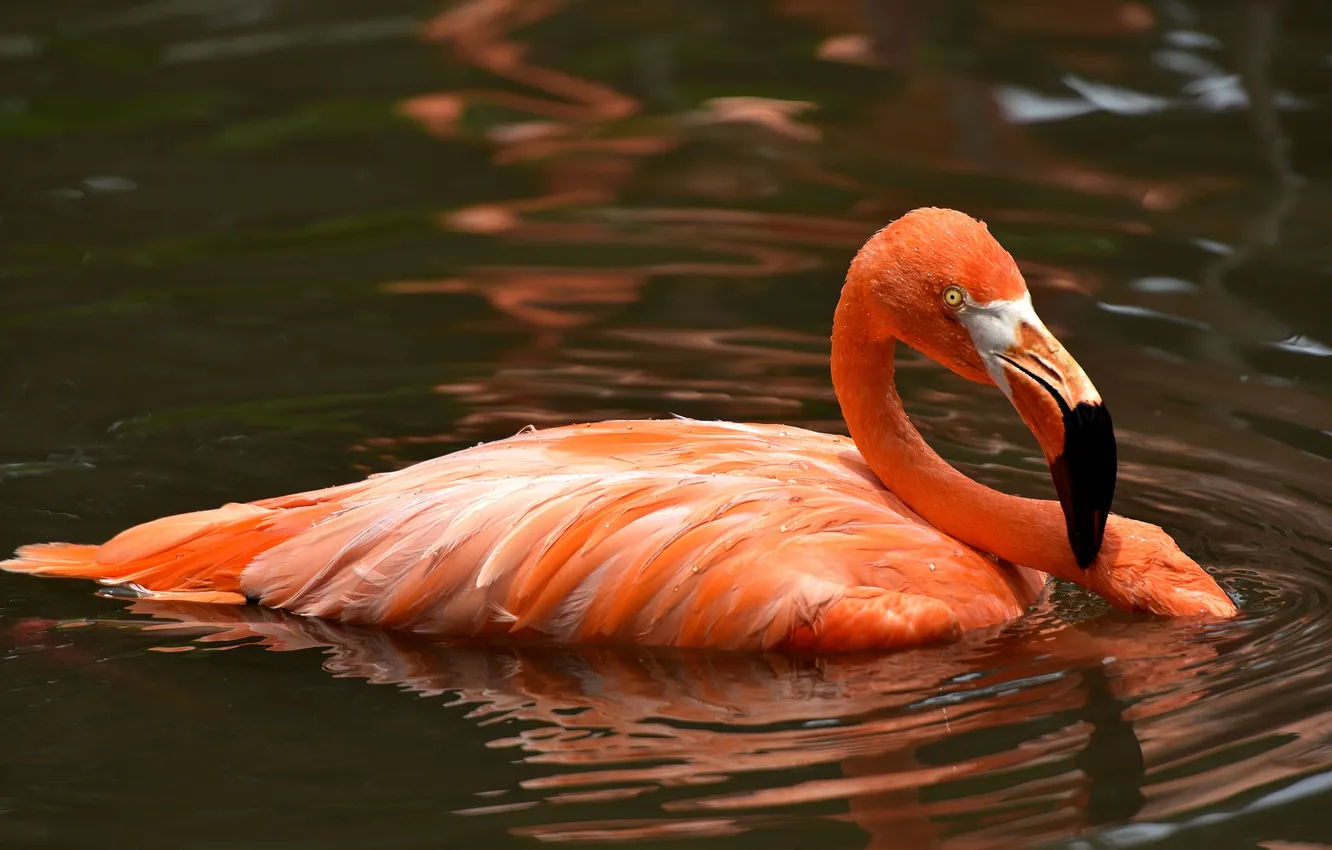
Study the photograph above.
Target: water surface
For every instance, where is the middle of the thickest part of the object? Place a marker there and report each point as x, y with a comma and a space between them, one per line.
249, 247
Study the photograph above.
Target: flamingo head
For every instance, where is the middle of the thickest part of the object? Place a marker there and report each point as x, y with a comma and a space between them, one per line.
955, 295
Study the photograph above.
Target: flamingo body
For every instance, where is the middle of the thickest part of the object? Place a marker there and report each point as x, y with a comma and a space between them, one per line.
667, 532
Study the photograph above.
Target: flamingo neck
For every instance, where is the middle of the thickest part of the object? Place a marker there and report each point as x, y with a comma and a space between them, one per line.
1027, 532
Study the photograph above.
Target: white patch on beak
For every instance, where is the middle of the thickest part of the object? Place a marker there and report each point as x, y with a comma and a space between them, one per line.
994, 328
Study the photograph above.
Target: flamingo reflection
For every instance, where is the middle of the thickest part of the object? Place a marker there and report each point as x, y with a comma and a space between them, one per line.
1018, 733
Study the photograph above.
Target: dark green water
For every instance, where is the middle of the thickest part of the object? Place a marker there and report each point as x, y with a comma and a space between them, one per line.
249, 247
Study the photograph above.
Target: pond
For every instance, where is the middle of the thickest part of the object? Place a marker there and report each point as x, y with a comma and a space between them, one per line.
252, 247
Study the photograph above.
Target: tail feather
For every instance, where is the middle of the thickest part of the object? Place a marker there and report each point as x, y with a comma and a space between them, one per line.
66, 560
196, 557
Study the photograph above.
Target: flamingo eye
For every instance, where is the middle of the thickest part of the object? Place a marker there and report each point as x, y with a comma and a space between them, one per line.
953, 296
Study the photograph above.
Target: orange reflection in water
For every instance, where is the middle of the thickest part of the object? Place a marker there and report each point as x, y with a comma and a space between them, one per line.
902, 734
587, 144
587, 151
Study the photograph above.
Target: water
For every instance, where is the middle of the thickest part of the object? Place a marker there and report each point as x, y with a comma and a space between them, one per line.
249, 247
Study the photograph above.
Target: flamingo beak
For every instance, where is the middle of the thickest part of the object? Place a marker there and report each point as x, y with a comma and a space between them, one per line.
1064, 411
1061, 407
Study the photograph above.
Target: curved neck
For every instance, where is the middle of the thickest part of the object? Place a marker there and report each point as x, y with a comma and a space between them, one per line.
1027, 532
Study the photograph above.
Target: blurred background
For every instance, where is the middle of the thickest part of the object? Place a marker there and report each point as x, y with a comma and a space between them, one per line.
249, 247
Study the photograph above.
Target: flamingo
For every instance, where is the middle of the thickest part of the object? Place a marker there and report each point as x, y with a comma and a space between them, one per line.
715, 534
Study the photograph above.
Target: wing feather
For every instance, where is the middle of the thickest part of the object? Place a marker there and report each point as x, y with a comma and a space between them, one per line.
674, 532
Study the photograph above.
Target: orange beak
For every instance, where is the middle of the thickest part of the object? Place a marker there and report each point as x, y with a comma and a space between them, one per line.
1061, 407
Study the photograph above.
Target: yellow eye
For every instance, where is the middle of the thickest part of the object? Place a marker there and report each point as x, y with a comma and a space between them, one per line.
952, 296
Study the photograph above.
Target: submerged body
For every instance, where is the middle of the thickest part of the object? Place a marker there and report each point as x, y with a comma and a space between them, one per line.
715, 534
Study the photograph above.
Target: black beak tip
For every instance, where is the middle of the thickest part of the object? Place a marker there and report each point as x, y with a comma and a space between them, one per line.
1084, 476
1086, 546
